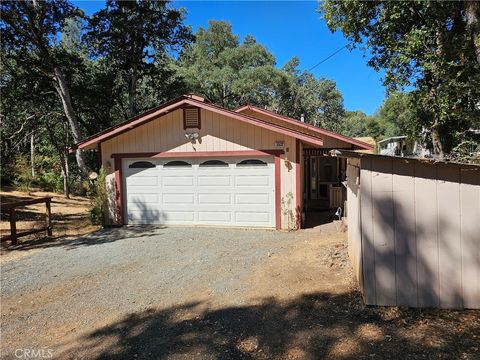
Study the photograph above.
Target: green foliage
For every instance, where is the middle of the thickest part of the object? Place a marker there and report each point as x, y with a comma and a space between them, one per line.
130, 56
318, 100
136, 38
48, 173
375, 128
398, 115
47, 176
467, 151
52, 42
232, 73
422, 45
97, 191
23, 178
395, 117
228, 72
353, 124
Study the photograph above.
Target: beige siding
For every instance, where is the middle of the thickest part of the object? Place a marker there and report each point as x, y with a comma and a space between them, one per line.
328, 142
420, 232
217, 133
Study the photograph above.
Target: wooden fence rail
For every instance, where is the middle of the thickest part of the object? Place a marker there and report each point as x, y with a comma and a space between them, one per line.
11, 209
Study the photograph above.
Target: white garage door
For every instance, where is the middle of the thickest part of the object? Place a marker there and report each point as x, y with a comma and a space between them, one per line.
213, 191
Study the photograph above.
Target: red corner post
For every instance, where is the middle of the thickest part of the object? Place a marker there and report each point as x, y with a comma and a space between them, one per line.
298, 183
278, 194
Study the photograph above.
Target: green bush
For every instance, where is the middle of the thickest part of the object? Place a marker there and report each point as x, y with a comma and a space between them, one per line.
23, 179
50, 181
467, 151
49, 173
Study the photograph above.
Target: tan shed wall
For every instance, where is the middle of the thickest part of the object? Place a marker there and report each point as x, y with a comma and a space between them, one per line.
353, 214
217, 133
420, 232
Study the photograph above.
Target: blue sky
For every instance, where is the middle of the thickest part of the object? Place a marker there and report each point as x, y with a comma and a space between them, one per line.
287, 29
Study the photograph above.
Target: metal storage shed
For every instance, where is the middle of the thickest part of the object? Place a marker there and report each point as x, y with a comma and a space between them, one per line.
414, 230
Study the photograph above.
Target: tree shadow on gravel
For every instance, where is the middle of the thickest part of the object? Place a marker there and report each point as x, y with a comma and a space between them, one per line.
102, 236
315, 326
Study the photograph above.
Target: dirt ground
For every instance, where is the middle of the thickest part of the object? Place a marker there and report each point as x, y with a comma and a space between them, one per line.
192, 293
207, 293
69, 219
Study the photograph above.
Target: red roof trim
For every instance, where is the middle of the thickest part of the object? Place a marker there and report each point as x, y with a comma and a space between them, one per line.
255, 121
178, 102
182, 154
321, 131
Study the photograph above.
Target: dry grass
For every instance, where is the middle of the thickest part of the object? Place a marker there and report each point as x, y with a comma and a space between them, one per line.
69, 217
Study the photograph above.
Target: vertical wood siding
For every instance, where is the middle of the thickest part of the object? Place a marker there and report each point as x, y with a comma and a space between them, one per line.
420, 232
217, 133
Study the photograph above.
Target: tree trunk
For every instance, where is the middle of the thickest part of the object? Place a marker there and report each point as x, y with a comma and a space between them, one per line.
32, 154
65, 174
64, 93
472, 12
132, 93
437, 142
66, 169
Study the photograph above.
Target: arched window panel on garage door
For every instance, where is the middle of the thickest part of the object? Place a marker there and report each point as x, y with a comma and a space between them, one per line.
213, 163
177, 163
252, 162
141, 165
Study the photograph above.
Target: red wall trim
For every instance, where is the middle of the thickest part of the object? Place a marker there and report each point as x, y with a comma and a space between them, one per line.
298, 181
197, 154
254, 121
278, 194
119, 190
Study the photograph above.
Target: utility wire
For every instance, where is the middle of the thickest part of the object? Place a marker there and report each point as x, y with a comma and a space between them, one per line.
328, 57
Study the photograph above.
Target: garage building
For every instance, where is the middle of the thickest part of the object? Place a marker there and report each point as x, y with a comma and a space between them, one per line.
190, 162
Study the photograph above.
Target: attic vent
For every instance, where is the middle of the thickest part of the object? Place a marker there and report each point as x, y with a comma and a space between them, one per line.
191, 118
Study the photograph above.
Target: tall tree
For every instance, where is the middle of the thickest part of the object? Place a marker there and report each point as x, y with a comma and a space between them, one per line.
425, 45
472, 13
227, 71
301, 93
398, 115
353, 124
30, 40
137, 38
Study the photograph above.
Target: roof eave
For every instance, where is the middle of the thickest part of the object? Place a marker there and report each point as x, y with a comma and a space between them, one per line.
360, 144
173, 105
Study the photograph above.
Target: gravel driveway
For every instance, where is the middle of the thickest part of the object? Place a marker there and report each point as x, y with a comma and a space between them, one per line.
75, 286
205, 293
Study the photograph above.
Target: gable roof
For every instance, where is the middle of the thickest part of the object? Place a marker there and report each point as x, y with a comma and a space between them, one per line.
310, 129
189, 100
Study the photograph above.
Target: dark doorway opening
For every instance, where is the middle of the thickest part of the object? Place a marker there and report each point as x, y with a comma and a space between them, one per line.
323, 191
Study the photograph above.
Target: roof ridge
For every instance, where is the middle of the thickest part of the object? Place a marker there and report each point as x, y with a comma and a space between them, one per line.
104, 134
309, 126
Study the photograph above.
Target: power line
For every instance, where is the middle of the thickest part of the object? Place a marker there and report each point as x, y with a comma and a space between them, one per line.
328, 57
